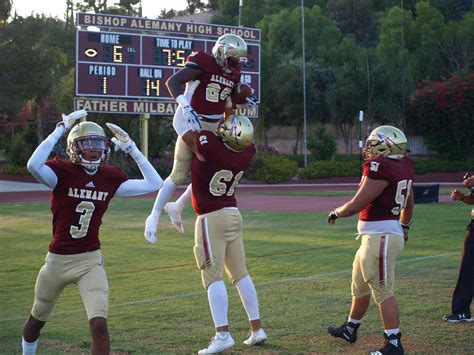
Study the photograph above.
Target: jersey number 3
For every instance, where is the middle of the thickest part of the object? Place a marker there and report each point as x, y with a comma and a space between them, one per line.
85, 209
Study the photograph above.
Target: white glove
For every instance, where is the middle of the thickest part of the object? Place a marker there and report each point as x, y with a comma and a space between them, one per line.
251, 101
193, 121
121, 140
68, 120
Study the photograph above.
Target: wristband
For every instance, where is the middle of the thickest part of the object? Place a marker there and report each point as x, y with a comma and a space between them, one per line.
182, 101
406, 226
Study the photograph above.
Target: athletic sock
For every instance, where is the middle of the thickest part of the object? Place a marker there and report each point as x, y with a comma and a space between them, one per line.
29, 348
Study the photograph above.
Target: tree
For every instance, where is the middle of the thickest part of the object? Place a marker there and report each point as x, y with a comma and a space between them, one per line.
323, 146
354, 18
452, 10
282, 65
97, 6
456, 50
32, 57
423, 59
441, 112
5, 10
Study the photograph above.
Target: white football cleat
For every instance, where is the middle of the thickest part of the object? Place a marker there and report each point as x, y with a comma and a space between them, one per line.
218, 343
256, 338
175, 215
151, 227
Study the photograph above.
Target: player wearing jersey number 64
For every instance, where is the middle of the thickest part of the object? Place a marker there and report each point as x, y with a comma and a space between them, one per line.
384, 202
82, 188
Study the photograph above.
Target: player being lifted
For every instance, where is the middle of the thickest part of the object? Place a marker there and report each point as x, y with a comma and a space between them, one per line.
208, 81
82, 188
384, 202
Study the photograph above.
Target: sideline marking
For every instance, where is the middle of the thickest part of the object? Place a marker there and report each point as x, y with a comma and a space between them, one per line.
264, 283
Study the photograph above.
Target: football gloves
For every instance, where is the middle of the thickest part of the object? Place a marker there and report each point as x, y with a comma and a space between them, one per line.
405, 228
251, 101
333, 215
68, 120
192, 119
121, 140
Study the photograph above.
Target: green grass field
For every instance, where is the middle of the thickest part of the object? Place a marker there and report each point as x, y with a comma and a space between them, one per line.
300, 265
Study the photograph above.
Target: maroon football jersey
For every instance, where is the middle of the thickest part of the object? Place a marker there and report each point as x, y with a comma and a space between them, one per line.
214, 180
215, 85
78, 203
400, 174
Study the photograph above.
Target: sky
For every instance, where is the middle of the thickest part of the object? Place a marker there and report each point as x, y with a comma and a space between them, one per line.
57, 8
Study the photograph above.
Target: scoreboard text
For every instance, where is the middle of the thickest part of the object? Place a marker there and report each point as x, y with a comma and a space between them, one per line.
123, 65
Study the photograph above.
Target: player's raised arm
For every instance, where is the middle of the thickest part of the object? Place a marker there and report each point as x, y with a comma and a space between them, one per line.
152, 180
36, 164
178, 80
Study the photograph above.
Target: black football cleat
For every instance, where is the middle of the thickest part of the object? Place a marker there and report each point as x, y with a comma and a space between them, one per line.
347, 331
393, 346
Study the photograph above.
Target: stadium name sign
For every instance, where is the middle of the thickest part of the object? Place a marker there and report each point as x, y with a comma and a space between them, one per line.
139, 107
143, 24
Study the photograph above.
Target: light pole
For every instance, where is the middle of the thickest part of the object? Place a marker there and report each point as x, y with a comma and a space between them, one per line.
303, 60
241, 3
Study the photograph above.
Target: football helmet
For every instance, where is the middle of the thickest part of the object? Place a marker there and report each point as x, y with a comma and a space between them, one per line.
236, 132
385, 141
91, 137
230, 52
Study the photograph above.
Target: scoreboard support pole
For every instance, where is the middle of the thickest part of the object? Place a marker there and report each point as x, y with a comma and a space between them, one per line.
144, 136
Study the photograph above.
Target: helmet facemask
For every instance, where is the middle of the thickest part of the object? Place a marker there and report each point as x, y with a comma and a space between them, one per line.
87, 146
230, 52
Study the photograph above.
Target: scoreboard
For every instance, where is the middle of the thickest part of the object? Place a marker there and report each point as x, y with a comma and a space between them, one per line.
117, 70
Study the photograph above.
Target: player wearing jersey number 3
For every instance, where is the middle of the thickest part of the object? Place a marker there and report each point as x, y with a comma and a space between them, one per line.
82, 188
202, 89
384, 202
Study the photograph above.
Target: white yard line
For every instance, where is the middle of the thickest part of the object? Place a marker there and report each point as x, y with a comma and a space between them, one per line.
259, 284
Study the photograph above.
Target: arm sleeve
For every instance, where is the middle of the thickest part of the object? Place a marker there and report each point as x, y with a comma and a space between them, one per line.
36, 164
152, 180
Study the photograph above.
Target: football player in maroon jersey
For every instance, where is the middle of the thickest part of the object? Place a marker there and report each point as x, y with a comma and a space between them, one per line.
384, 202
202, 89
217, 166
82, 188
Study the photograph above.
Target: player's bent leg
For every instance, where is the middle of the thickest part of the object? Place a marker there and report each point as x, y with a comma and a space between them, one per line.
181, 170
100, 336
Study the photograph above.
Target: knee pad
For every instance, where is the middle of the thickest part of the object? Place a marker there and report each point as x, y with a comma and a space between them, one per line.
211, 270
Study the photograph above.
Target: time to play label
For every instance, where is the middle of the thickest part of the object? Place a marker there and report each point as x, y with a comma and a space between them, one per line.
162, 108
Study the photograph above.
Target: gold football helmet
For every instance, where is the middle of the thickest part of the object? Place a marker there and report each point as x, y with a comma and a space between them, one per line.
230, 52
236, 132
385, 141
90, 137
